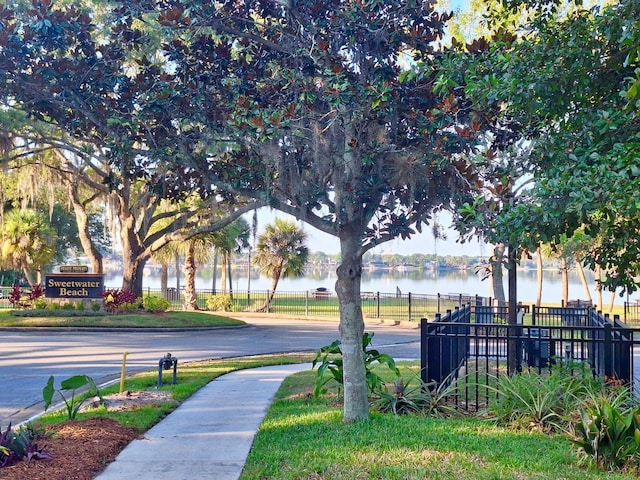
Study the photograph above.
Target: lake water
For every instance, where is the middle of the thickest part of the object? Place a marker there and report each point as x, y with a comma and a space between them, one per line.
422, 282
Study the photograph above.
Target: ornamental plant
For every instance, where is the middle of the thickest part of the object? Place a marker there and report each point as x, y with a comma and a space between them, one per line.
18, 298
608, 431
116, 299
16, 444
155, 304
72, 403
329, 358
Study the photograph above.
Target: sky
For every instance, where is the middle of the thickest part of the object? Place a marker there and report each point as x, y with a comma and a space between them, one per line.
420, 243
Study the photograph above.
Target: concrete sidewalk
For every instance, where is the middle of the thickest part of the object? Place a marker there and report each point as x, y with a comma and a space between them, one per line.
209, 435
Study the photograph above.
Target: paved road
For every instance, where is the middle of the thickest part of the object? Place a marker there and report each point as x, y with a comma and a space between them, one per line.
28, 358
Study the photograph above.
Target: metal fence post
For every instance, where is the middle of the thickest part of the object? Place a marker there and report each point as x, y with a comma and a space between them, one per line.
306, 303
409, 298
608, 351
423, 349
377, 304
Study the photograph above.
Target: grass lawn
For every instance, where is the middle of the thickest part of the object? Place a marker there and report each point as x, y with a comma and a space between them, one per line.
171, 319
305, 438
191, 377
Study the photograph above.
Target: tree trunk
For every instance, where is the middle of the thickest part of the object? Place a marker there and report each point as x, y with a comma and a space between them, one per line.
515, 346
27, 274
564, 271
599, 288
177, 268
134, 257
223, 274
190, 298
164, 279
275, 278
229, 275
496, 261
612, 299
82, 220
215, 272
583, 279
356, 402
132, 273
540, 276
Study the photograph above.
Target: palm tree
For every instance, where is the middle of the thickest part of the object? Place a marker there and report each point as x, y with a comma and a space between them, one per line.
281, 252
196, 250
232, 238
199, 248
28, 242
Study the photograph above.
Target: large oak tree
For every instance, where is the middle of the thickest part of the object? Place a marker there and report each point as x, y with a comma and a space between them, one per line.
327, 110
86, 101
329, 113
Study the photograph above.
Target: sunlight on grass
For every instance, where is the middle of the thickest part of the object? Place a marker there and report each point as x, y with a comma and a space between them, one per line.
172, 319
305, 438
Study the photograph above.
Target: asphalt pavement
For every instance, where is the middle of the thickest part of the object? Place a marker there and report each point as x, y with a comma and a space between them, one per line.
28, 358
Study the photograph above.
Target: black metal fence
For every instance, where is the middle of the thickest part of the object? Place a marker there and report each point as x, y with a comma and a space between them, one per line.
462, 346
324, 303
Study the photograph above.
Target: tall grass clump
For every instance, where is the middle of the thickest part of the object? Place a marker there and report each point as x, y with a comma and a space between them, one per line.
546, 400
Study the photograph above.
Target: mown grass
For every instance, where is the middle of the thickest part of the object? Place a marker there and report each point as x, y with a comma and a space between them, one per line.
172, 319
305, 438
191, 377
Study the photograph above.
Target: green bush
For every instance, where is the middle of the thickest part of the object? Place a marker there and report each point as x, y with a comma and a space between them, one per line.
219, 302
54, 312
156, 304
96, 305
421, 398
544, 400
40, 304
54, 306
329, 358
80, 305
608, 431
68, 306
128, 307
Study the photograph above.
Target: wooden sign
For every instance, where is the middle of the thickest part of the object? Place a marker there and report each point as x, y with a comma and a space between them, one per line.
74, 269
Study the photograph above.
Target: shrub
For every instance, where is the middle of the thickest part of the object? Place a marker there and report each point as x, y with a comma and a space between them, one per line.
80, 305
608, 431
20, 443
219, 302
119, 300
128, 307
68, 306
54, 306
40, 304
96, 305
547, 400
36, 292
329, 358
422, 398
156, 304
17, 298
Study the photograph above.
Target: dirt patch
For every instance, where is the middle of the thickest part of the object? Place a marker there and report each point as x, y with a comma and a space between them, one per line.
131, 399
83, 448
80, 449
